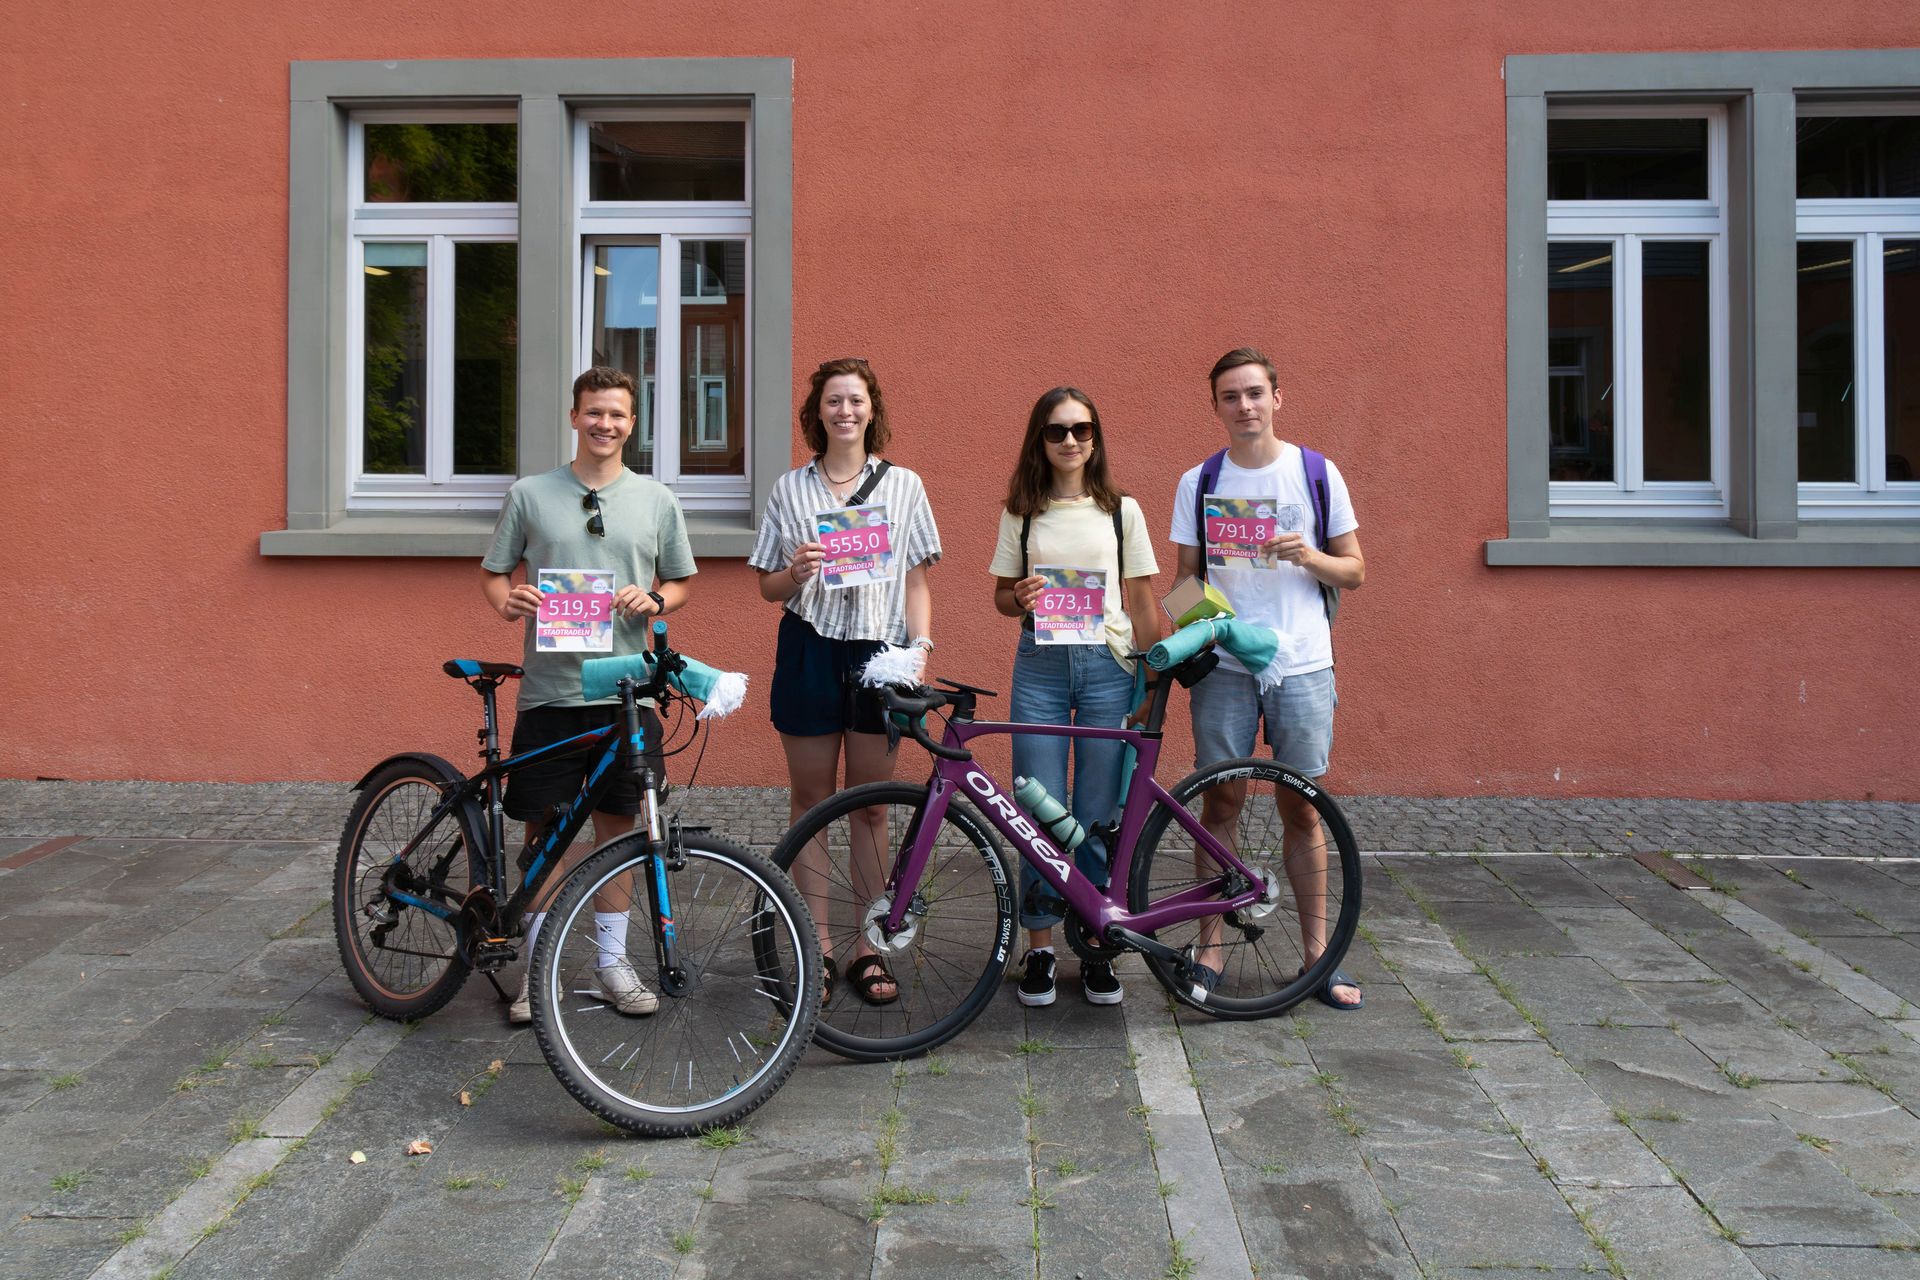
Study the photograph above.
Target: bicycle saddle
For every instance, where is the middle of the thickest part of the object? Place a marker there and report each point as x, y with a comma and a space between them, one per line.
468, 669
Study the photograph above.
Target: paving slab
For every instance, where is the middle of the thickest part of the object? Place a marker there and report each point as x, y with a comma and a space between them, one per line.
1365, 1144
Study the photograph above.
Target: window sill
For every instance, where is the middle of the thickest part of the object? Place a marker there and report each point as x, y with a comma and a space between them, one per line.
467, 536
1850, 545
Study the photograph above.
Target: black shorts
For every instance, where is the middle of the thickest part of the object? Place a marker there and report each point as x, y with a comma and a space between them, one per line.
815, 683
538, 785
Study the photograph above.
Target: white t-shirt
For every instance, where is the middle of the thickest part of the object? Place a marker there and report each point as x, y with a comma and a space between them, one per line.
1286, 598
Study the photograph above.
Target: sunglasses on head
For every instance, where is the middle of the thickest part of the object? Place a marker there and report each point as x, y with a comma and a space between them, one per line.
595, 525
1056, 432
859, 360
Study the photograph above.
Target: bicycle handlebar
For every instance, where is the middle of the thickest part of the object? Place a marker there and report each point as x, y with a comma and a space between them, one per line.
915, 709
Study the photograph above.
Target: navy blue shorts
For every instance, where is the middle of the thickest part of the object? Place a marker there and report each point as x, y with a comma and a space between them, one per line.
540, 784
814, 689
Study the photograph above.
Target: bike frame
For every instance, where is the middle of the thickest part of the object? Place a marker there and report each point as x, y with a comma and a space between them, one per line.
616, 748
1096, 908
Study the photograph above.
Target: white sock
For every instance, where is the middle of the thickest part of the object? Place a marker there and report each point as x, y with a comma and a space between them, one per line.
1046, 950
610, 933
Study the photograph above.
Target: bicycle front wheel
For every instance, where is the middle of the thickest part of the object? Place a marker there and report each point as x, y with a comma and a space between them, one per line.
403, 959
1312, 882
692, 1049
948, 960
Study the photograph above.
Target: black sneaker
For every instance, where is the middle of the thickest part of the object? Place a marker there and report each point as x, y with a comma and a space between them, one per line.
1036, 988
1097, 980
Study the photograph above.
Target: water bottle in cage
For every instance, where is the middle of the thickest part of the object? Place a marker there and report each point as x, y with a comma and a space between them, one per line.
1049, 813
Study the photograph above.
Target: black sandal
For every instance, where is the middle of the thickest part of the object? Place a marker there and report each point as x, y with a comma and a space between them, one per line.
868, 972
829, 977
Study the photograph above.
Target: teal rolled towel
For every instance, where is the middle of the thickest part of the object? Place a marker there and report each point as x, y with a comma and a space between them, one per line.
1261, 650
722, 692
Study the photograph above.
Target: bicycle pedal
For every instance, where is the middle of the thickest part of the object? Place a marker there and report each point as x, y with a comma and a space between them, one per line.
493, 954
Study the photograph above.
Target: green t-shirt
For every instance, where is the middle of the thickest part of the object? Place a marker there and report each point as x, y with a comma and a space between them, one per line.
544, 526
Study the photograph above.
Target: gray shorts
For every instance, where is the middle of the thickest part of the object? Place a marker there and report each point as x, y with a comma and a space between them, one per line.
1227, 707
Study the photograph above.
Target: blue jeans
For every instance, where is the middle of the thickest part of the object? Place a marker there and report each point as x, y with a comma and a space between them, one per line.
1070, 684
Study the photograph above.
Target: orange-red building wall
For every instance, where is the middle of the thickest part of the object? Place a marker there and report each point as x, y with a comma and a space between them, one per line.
989, 199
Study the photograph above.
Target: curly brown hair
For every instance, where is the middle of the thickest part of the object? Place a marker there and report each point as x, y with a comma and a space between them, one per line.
814, 432
1032, 483
606, 378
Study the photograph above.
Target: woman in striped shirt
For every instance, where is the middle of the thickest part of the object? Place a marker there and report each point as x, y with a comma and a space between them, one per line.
829, 631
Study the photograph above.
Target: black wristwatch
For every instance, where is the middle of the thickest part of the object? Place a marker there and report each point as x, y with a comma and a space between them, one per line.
659, 603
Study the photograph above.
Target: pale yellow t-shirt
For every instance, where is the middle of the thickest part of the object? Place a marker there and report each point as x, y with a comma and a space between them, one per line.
1078, 533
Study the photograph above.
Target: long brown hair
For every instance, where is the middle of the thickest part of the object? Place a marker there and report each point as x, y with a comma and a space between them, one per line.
814, 432
1032, 483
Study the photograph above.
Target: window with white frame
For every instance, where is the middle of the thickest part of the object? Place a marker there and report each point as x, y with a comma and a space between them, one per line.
1637, 311
432, 306
1858, 221
664, 194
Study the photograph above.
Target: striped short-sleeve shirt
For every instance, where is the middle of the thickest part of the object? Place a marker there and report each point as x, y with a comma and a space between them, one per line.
876, 611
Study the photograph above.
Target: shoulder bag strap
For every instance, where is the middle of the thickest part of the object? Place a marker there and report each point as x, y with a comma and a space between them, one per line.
865, 491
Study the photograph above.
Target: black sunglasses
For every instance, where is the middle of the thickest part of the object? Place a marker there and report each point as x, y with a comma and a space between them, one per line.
595, 525
1056, 432
859, 360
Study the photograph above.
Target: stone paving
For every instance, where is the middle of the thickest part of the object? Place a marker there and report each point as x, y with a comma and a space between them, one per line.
1567, 1064
1403, 824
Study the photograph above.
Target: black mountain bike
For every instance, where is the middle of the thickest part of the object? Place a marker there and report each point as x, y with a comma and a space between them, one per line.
423, 895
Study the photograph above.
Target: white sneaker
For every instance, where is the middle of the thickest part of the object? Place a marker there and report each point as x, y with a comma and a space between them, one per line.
520, 1012
620, 987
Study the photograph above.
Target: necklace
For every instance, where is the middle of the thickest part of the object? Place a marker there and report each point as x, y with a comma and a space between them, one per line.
829, 475
1065, 497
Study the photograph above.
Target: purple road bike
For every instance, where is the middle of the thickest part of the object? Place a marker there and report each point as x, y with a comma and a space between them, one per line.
1202, 875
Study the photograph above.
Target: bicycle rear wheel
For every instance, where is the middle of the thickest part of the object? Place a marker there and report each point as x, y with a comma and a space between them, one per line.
717, 1045
405, 961
1314, 899
949, 960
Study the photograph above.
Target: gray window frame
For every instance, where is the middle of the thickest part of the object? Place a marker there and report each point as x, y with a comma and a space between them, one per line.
545, 93
1761, 92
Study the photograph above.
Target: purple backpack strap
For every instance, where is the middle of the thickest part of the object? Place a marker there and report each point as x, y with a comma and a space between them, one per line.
1209, 476
1315, 465
1316, 469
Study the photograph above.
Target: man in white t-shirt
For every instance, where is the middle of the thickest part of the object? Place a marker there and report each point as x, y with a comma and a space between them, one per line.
1275, 584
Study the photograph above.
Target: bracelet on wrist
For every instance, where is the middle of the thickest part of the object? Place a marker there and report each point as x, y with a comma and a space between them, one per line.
921, 642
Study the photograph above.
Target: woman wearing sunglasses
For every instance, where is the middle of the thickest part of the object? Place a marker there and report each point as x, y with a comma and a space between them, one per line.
1074, 546
844, 547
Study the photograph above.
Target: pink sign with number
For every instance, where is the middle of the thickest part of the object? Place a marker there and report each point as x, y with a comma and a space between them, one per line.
576, 607
849, 544
1241, 531
1071, 602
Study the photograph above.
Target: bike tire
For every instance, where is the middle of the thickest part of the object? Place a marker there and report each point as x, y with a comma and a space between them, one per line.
738, 1030
1260, 967
405, 962
958, 955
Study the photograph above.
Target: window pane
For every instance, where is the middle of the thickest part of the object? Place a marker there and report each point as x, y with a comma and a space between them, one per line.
713, 311
626, 331
394, 440
1676, 390
1859, 157
667, 160
485, 364
1626, 159
442, 163
1580, 360
1903, 359
1826, 361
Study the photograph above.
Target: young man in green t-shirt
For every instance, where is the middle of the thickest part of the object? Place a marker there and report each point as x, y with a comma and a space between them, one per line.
592, 514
